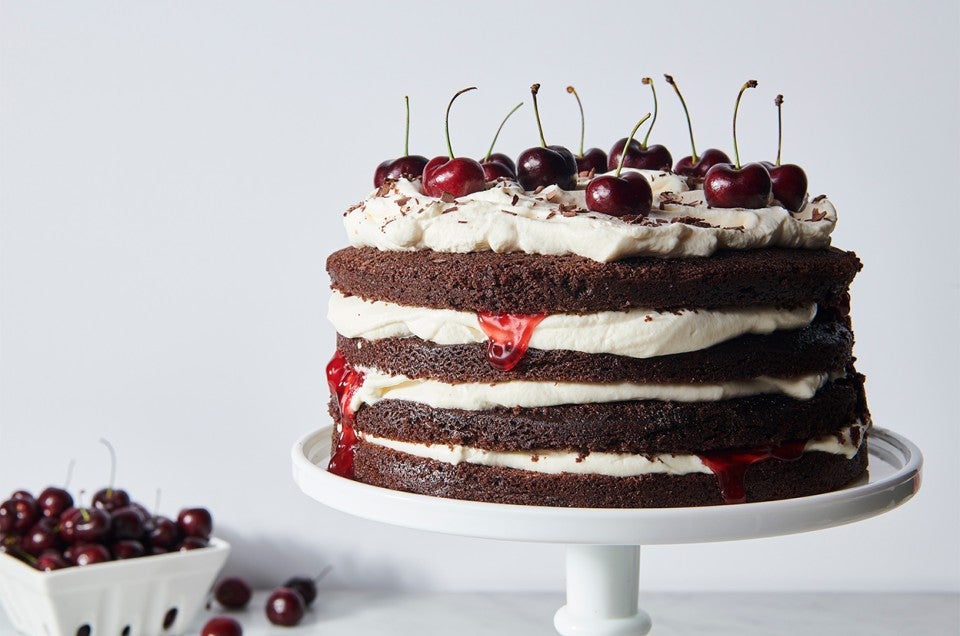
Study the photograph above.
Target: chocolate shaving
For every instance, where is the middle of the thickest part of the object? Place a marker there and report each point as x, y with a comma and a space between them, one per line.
818, 215
691, 220
385, 188
446, 197
587, 174
509, 212
516, 198
567, 212
648, 318
453, 208
568, 207
538, 190
461, 221
669, 198
553, 196
819, 198
551, 215
402, 201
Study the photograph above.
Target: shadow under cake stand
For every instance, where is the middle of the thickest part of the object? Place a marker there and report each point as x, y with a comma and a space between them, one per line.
603, 544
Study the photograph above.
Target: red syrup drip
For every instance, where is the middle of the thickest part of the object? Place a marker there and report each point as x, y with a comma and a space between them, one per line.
731, 466
344, 381
509, 336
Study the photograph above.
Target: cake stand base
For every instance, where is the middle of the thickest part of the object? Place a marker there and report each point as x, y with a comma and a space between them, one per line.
603, 551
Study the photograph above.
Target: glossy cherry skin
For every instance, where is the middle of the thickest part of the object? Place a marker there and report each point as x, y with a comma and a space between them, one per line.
406, 167
457, 177
710, 157
195, 522
493, 170
726, 187
23, 495
110, 499
629, 193
40, 538
541, 167
222, 626
306, 586
51, 560
655, 157
127, 549
163, 533
90, 553
18, 515
789, 185
592, 159
53, 501
126, 523
285, 607
233, 593
86, 525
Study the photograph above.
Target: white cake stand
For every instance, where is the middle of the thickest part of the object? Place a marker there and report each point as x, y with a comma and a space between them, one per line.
603, 545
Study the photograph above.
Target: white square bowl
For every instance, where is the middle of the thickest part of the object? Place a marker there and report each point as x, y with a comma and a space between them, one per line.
147, 596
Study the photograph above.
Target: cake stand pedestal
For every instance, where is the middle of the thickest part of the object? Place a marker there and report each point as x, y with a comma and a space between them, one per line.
603, 545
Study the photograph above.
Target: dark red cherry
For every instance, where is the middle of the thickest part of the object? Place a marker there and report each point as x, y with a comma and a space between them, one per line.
727, 187
499, 157
51, 560
455, 177
655, 157
493, 170
285, 607
89, 554
232, 593
627, 194
110, 499
18, 515
84, 525
127, 549
126, 523
222, 626
23, 495
545, 165
408, 167
697, 170
195, 522
41, 537
306, 586
163, 533
789, 185
53, 501
593, 159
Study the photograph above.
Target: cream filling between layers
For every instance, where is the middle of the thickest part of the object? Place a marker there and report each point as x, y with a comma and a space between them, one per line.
478, 396
506, 218
599, 463
638, 333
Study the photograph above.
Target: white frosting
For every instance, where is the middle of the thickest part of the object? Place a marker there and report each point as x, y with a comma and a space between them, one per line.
638, 333
477, 396
505, 218
611, 464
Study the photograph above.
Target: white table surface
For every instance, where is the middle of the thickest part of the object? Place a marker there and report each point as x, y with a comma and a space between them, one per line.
366, 613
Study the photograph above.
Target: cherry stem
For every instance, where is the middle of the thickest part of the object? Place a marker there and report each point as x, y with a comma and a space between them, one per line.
113, 465
536, 111
494, 142
693, 146
583, 120
70, 466
406, 134
633, 132
647, 80
323, 574
778, 102
446, 122
83, 511
736, 107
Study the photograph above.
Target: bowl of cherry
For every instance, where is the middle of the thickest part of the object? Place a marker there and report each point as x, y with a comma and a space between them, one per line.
111, 568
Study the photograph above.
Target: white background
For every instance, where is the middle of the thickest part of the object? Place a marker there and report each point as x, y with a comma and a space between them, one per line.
173, 176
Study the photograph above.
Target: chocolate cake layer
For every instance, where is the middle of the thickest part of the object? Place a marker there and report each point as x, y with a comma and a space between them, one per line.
818, 348
812, 473
531, 283
646, 426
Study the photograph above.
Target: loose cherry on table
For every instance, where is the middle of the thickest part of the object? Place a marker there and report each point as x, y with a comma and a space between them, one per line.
789, 181
726, 186
695, 166
408, 166
639, 154
232, 593
497, 165
306, 586
450, 175
545, 165
618, 195
285, 607
593, 159
222, 626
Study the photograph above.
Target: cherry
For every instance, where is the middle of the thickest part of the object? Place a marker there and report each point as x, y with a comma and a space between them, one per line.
84, 525
195, 522
727, 186
593, 159
454, 176
545, 165
222, 626
233, 593
51, 560
618, 195
789, 181
127, 549
306, 586
127, 523
192, 543
408, 166
496, 165
110, 498
89, 554
639, 154
53, 501
163, 533
18, 515
40, 538
285, 607
694, 166
23, 495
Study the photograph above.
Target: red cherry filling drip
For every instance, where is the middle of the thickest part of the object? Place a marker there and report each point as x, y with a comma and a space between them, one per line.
344, 381
509, 336
731, 466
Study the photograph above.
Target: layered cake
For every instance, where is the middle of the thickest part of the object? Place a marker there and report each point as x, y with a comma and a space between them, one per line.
513, 346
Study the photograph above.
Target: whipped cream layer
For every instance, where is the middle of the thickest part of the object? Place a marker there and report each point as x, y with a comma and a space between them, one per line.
846, 442
477, 396
506, 218
636, 333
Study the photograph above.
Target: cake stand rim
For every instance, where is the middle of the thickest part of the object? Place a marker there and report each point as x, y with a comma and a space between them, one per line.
615, 526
